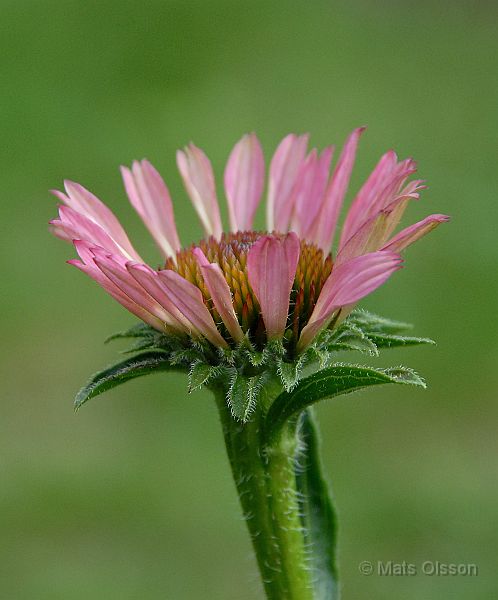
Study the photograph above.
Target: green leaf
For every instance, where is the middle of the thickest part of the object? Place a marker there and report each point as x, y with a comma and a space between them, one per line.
369, 322
143, 343
137, 331
185, 356
385, 340
336, 380
275, 348
134, 366
243, 395
317, 512
257, 359
200, 373
323, 356
353, 338
290, 372
405, 375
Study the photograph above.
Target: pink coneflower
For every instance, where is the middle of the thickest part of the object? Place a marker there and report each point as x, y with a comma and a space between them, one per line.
285, 283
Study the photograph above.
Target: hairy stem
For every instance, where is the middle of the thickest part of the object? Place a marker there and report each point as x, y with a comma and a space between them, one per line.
267, 482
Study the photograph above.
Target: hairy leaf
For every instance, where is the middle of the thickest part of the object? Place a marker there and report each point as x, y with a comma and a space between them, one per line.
334, 381
353, 338
257, 359
185, 356
385, 340
290, 372
243, 395
201, 373
137, 331
323, 356
369, 322
134, 366
142, 343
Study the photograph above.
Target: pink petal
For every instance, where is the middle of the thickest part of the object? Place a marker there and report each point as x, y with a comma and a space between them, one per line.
368, 238
84, 250
413, 233
397, 207
188, 300
284, 170
324, 230
56, 228
387, 187
271, 269
244, 182
90, 268
136, 310
88, 205
151, 199
149, 280
115, 270
309, 191
347, 284
197, 174
359, 210
373, 234
220, 293
393, 186
76, 226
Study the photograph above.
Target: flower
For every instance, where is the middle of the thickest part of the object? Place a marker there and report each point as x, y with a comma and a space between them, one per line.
284, 283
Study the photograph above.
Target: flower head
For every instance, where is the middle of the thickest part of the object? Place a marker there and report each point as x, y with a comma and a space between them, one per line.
250, 286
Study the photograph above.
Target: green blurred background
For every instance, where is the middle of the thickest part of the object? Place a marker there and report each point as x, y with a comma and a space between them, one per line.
132, 498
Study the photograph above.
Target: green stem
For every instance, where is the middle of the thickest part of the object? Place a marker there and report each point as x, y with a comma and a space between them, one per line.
267, 484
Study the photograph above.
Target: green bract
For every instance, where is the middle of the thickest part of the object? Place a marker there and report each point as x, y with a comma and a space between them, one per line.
305, 379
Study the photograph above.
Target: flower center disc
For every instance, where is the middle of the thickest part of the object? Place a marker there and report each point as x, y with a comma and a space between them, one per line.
230, 253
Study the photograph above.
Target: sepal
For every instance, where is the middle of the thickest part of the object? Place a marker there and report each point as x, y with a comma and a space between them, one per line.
142, 343
349, 337
368, 321
273, 351
319, 355
185, 356
243, 371
243, 394
201, 374
290, 372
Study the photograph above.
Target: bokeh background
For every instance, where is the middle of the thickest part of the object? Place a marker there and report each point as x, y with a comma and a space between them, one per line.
132, 498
